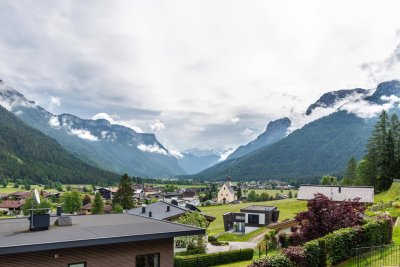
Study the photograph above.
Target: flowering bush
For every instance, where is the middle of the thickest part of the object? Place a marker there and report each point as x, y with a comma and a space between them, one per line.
296, 255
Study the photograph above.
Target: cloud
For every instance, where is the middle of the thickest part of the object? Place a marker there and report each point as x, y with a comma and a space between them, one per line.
157, 125
246, 132
114, 119
176, 154
84, 134
234, 120
54, 122
225, 154
152, 149
55, 101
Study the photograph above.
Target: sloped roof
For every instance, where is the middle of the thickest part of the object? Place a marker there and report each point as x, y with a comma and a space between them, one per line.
337, 193
11, 204
87, 230
229, 187
159, 211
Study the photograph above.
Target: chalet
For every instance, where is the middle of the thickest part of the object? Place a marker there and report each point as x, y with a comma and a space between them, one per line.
250, 218
12, 207
20, 195
226, 194
96, 240
107, 193
365, 194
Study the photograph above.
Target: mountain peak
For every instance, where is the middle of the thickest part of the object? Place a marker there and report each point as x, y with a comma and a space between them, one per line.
385, 89
329, 99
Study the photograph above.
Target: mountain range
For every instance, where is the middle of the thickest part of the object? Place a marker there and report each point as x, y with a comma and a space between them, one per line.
26, 153
320, 147
99, 143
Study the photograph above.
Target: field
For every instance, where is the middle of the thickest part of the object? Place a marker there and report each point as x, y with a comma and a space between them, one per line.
10, 189
288, 209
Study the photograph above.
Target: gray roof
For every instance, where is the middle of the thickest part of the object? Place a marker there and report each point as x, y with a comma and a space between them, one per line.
87, 230
337, 193
258, 208
159, 211
229, 187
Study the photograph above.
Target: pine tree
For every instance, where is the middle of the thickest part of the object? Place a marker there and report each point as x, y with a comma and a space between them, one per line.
350, 173
98, 204
86, 200
124, 195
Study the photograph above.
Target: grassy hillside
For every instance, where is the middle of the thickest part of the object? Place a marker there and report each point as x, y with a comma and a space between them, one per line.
392, 194
288, 209
26, 153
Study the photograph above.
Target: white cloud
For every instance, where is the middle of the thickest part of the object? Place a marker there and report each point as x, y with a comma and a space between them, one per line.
55, 101
234, 120
152, 149
54, 122
114, 119
176, 154
225, 154
157, 125
246, 132
84, 134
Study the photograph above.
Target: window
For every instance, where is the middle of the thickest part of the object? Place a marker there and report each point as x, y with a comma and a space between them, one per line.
149, 260
79, 264
253, 218
180, 244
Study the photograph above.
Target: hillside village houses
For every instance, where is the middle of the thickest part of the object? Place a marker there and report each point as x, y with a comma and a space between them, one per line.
226, 193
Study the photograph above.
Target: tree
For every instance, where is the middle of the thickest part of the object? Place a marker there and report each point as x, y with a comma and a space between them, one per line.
117, 208
170, 188
252, 196
239, 191
328, 180
350, 175
71, 201
324, 216
197, 220
44, 203
124, 194
263, 197
86, 200
290, 194
98, 204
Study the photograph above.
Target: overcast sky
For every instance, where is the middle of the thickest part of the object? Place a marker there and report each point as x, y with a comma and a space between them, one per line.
206, 74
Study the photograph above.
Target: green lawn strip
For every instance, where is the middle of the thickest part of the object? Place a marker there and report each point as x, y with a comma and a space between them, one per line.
288, 209
241, 237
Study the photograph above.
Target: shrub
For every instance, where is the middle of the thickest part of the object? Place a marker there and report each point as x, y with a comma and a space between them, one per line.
204, 260
192, 251
212, 238
315, 255
340, 244
270, 238
296, 255
283, 239
277, 260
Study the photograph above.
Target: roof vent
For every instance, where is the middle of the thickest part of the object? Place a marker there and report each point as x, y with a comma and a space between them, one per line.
64, 221
59, 211
144, 209
150, 214
168, 208
340, 189
39, 221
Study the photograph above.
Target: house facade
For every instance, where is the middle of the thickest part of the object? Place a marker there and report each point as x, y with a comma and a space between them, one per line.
96, 240
226, 194
250, 218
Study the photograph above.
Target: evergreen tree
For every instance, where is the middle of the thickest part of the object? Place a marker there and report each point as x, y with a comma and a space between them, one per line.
124, 195
71, 201
239, 191
350, 174
86, 200
328, 180
290, 194
98, 204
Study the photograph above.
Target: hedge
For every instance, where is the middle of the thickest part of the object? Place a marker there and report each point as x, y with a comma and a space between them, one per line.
339, 245
277, 260
204, 260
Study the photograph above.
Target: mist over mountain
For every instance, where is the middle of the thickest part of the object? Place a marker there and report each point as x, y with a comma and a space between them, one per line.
195, 160
322, 146
111, 147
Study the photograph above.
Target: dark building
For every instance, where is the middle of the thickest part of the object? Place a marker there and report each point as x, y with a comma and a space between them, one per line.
95, 240
250, 218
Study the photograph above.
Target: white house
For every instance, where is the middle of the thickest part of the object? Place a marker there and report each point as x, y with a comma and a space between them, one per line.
226, 194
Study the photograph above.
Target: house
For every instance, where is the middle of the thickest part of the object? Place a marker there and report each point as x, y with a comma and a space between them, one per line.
250, 218
226, 194
87, 209
107, 193
189, 195
20, 195
12, 207
96, 240
365, 194
167, 212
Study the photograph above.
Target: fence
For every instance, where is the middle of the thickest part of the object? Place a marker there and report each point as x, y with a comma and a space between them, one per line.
379, 256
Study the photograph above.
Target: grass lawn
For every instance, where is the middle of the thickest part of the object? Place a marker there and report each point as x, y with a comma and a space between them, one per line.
288, 209
241, 237
391, 194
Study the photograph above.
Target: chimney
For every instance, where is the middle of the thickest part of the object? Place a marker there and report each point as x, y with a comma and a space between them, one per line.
150, 214
59, 211
168, 208
143, 209
340, 189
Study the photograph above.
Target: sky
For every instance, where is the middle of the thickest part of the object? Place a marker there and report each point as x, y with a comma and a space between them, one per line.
205, 74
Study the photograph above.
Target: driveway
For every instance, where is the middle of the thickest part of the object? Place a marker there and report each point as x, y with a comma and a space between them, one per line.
231, 246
